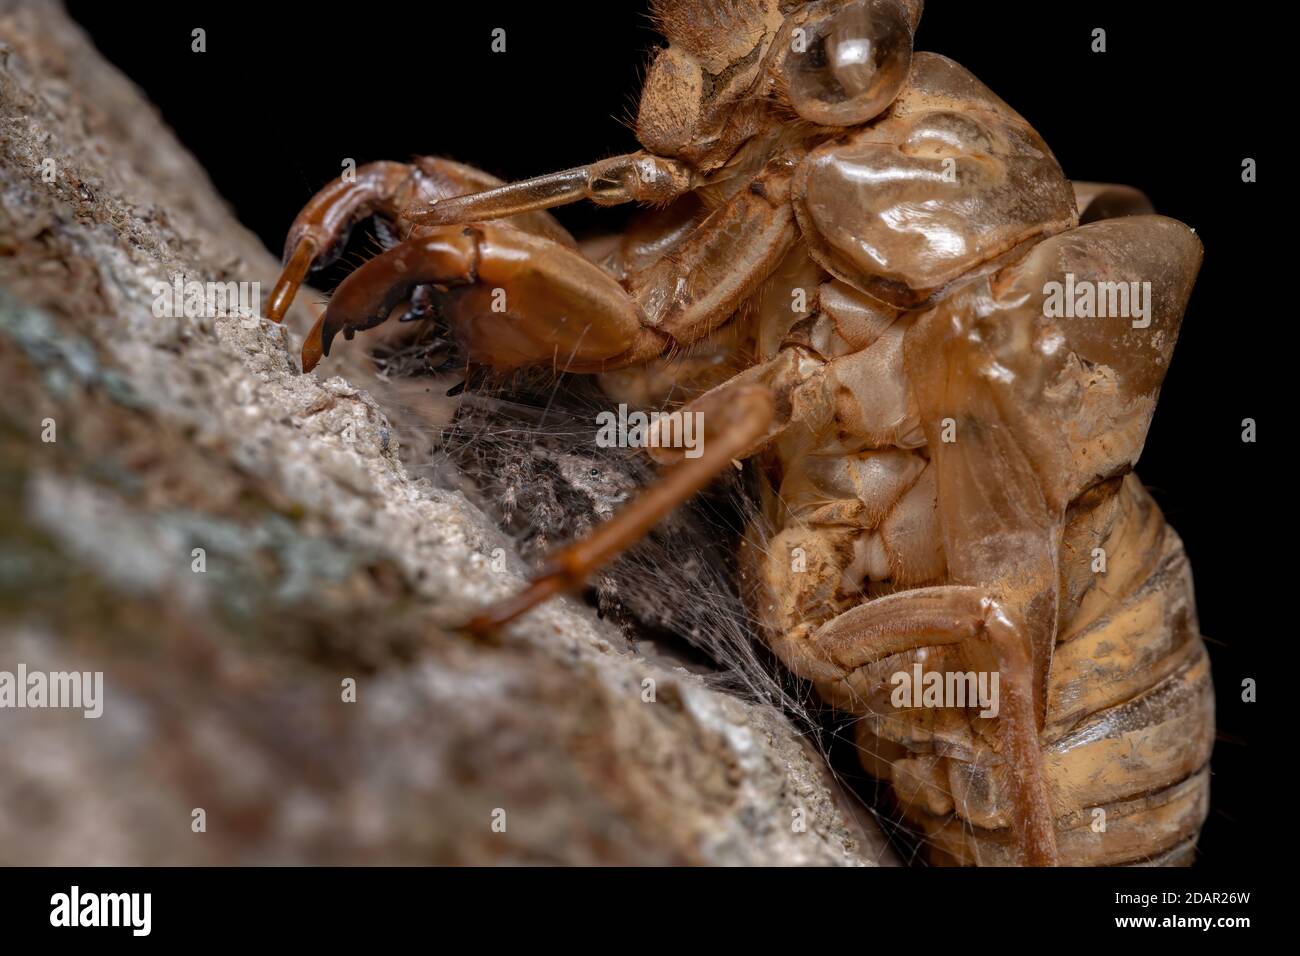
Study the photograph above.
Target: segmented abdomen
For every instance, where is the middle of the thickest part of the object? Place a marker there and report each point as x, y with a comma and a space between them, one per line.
1130, 709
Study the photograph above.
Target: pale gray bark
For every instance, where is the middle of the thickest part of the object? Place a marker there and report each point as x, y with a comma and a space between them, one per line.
324, 560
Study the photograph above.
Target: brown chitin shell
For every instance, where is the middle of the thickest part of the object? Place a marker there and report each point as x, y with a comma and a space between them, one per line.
848, 275
947, 179
1065, 402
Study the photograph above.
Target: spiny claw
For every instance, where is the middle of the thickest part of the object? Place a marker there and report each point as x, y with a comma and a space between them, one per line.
317, 344
295, 271
370, 294
313, 347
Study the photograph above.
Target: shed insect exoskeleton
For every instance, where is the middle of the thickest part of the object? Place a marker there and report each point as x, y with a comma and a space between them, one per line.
946, 438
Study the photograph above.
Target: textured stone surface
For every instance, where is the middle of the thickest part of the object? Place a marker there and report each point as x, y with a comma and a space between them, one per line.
324, 560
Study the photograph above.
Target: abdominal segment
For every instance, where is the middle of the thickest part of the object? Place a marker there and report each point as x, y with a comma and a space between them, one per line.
1129, 722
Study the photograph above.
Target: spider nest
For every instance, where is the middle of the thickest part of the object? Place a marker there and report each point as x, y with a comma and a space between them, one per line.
523, 448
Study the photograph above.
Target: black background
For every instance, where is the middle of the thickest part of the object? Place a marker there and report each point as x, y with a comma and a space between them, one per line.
285, 92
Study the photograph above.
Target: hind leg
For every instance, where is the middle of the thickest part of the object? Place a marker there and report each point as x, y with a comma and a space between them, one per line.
935, 617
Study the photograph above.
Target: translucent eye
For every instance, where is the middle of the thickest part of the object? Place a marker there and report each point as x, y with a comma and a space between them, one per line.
847, 64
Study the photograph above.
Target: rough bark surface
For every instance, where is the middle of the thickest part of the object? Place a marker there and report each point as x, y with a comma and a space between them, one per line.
324, 560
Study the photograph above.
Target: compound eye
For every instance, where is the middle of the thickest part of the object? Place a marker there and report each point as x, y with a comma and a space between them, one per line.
847, 62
